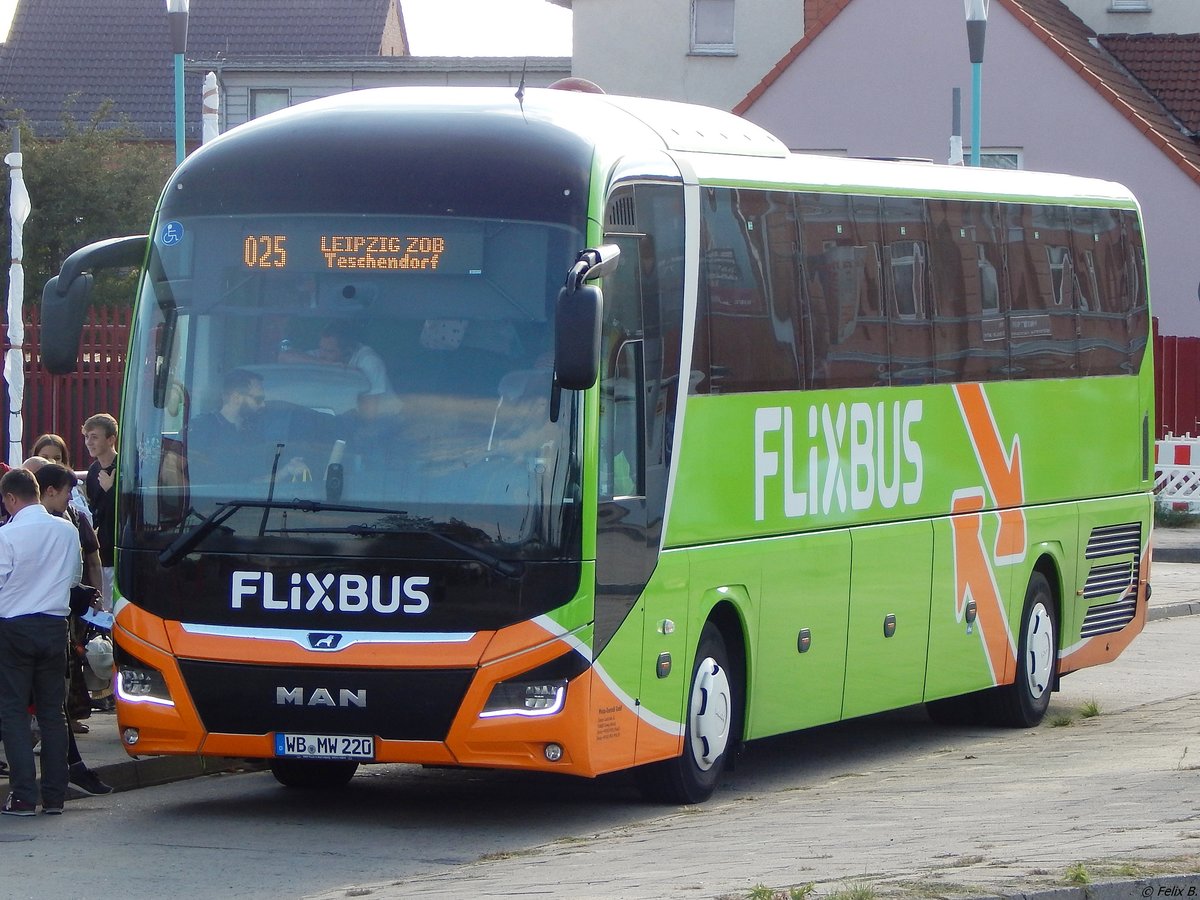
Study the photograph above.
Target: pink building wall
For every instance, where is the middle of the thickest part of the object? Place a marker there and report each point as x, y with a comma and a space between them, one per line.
878, 80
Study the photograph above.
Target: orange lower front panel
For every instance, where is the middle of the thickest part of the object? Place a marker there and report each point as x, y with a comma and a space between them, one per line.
474, 742
588, 737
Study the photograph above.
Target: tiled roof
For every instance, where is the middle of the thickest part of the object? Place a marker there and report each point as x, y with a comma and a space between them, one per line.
1169, 67
1077, 45
119, 50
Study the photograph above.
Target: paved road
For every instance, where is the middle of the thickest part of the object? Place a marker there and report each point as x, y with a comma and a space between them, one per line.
910, 808
891, 800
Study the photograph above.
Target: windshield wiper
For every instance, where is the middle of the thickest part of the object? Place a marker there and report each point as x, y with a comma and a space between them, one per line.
186, 543
189, 540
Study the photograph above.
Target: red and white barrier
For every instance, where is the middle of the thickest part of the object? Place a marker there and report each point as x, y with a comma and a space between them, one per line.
1177, 472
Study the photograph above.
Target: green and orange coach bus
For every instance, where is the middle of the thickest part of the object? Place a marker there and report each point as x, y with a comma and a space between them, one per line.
682, 439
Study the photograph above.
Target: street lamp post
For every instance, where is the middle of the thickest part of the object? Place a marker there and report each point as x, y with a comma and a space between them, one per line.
177, 18
977, 12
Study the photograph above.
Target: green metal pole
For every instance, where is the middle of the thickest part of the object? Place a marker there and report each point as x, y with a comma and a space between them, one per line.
179, 143
976, 112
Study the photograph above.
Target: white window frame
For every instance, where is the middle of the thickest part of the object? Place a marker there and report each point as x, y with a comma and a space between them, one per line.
277, 93
708, 47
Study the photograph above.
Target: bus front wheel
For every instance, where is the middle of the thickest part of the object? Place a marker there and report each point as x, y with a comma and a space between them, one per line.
709, 738
313, 773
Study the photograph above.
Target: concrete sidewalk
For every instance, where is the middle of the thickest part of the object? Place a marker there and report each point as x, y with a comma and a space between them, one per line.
1174, 578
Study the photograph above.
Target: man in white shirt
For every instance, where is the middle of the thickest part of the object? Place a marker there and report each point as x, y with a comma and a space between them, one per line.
39, 561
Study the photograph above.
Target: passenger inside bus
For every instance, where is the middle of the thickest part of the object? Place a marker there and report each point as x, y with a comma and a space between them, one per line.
339, 345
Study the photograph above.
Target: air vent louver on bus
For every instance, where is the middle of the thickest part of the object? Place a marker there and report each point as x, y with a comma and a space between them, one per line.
622, 213
1113, 540
1108, 618
1112, 579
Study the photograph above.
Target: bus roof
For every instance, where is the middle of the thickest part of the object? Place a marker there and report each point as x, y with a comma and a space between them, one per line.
720, 147
914, 179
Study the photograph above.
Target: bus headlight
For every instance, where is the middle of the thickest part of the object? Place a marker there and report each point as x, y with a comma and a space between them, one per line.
140, 683
525, 698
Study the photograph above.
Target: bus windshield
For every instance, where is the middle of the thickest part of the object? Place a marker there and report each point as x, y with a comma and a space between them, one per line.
343, 383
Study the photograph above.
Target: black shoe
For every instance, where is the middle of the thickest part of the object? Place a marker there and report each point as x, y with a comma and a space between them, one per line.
88, 781
15, 807
3, 769
52, 810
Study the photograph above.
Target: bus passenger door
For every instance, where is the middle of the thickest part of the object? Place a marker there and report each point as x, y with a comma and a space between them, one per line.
624, 555
643, 302
890, 576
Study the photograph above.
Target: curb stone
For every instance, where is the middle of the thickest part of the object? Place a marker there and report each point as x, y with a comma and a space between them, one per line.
1153, 888
1170, 611
157, 770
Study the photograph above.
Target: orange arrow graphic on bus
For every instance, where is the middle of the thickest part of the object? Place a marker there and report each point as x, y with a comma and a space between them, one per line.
1001, 470
974, 576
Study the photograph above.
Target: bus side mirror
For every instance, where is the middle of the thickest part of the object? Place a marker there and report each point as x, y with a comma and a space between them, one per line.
66, 297
577, 337
577, 319
62, 322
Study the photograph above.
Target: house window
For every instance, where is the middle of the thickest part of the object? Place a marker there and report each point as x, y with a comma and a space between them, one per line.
268, 101
996, 159
712, 27
1130, 6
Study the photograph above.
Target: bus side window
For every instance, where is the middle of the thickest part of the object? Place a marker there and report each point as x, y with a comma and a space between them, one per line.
910, 325
622, 469
622, 435
1103, 325
843, 302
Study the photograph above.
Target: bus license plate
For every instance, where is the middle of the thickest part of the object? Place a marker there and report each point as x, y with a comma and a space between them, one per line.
325, 746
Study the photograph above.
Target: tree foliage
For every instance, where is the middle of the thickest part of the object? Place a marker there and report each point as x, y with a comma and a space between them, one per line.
99, 180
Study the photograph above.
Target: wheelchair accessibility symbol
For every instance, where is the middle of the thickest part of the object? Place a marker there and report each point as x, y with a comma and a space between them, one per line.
172, 234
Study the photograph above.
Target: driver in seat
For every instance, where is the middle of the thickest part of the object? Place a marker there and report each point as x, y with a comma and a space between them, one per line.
216, 439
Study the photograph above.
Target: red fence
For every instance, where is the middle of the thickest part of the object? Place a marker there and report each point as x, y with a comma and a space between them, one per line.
1177, 384
60, 403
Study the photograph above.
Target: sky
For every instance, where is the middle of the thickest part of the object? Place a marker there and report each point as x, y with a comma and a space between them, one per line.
463, 27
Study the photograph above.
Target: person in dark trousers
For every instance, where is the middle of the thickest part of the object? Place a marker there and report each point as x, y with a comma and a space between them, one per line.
56, 483
39, 562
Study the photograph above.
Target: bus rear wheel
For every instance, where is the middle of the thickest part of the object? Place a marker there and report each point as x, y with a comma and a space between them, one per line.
708, 739
1023, 703
313, 773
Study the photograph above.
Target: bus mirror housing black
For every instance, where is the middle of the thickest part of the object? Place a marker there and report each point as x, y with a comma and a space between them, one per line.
67, 296
62, 322
577, 337
578, 317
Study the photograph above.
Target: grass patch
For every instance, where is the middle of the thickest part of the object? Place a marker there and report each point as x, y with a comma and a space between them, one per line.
1062, 721
1077, 873
1089, 710
855, 892
799, 892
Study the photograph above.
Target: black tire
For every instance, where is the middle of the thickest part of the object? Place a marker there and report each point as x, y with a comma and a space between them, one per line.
709, 738
1023, 703
313, 773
